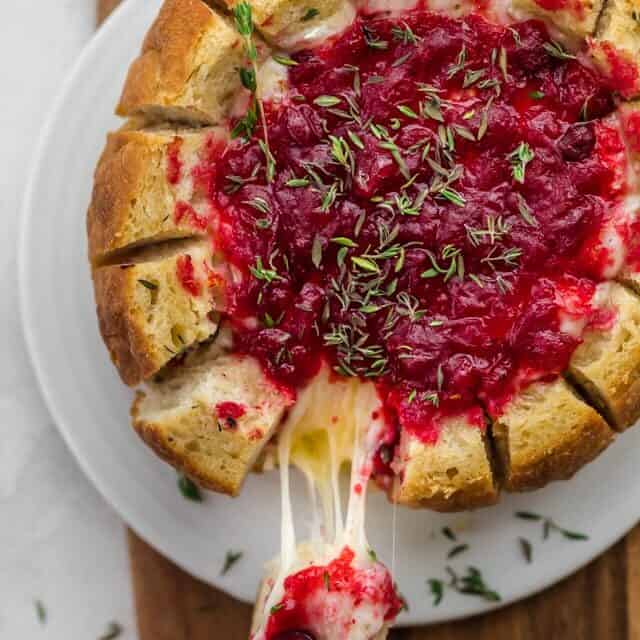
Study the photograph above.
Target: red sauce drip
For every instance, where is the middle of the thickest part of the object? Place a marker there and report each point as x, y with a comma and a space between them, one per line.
186, 275
229, 413
438, 334
174, 163
298, 611
184, 212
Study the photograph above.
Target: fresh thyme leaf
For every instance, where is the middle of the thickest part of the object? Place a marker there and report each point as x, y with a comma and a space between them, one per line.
263, 223
284, 60
310, 14
147, 284
472, 583
230, 560
316, 252
556, 50
528, 515
271, 162
243, 20
373, 39
345, 242
453, 196
260, 273
327, 101
356, 140
365, 264
502, 62
525, 211
407, 111
373, 555
404, 34
248, 79
298, 182
276, 608
520, 157
41, 611
537, 95
527, 549
457, 550
259, 204
189, 489
114, 630
448, 533
437, 590
573, 535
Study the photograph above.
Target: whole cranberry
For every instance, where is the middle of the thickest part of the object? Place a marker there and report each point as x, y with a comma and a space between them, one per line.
578, 142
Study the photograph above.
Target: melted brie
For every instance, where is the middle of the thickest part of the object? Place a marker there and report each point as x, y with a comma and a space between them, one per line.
332, 423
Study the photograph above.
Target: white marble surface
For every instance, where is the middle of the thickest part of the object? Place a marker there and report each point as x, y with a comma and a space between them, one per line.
59, 541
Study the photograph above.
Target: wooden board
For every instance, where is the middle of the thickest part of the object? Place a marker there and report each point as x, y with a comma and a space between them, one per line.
600, 602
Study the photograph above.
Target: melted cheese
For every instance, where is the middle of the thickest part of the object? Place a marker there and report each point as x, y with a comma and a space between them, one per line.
332, 423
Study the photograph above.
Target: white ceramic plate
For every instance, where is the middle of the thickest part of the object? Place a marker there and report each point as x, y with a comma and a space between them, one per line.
90, 405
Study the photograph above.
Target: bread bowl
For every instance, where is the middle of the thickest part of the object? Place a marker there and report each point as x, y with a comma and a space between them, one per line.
424, 226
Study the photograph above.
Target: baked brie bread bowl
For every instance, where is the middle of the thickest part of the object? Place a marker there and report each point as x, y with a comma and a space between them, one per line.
398, 236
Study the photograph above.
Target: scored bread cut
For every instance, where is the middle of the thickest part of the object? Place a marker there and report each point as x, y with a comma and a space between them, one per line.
211, 415
547, 432
606, 366
188, 68
616, 45
152, 310
144, 189
575, 18
452, 474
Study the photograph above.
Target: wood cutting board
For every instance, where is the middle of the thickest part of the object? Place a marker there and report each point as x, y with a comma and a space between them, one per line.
600, 602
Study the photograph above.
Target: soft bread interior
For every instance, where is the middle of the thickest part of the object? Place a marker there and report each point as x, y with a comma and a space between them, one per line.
185, 416
606, 366
149, 313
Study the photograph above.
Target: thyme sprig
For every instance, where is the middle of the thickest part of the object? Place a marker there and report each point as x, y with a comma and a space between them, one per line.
249, 78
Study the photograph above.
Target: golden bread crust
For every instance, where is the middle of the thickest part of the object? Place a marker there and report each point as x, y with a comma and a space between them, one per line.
576, 18
180, 418
133, 203
606, 366
547, 433
187, 69
146, 315
452, 474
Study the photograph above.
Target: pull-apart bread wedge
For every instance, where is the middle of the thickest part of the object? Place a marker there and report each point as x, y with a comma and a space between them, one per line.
187, 70
418, 229
158, 305
147, 189
210, 415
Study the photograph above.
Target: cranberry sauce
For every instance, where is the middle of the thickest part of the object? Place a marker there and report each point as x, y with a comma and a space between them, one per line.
349, 587
439, 187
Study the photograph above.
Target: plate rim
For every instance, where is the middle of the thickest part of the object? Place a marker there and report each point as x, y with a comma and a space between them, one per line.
149, 533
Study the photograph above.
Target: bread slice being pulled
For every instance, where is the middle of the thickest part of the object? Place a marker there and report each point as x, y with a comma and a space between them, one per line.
210, 415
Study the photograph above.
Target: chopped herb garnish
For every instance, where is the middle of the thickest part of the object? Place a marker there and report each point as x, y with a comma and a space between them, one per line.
537, 95
527, 549
549, 525
147, 284
263, 223
230, 560
457, 550
260, 273
437, 590
276, 608
327, 101
520, 157
114, 630
407, 111
310, 14
472, 583
404, 34
189, 489
298, 182
556, 50
284, 60
41, 611
448, 533
316, 252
